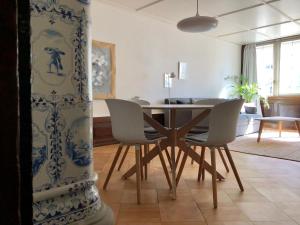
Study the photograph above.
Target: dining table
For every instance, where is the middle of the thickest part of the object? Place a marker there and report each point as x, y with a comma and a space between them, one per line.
174, 138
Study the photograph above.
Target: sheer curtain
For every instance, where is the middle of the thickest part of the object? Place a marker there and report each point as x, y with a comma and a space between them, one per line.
249, 63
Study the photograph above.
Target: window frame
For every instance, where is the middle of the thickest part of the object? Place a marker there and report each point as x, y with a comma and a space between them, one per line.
276, 61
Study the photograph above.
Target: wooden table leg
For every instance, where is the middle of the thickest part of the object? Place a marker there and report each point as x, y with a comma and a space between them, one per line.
173, 154
261, 127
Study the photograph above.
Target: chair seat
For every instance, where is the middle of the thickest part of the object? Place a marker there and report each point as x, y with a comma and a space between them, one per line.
154, 136
198, 130
150, 130
197, 137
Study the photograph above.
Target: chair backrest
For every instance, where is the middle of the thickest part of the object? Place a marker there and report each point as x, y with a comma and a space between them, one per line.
142, 102
210, 101
127, 120
223, 122
147, 111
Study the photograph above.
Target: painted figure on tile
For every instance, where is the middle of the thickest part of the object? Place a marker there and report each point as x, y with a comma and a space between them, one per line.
39, 149
55, 59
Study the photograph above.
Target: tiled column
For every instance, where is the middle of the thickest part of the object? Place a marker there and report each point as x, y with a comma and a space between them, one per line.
63, 178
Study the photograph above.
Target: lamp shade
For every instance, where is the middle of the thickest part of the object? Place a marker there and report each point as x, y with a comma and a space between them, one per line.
197, 24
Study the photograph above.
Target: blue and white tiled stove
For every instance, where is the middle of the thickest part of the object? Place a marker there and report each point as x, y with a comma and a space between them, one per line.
63, 178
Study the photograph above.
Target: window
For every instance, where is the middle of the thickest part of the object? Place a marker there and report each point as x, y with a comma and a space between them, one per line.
265, 72
289, 67
278, 68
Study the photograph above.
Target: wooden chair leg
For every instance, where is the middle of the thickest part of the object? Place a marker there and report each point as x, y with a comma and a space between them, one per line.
182, 164
236, 174
261, 127
141, 168
223, 159
178, 157
164, 166
201, 165
168, 156
298, 126
280, 128
123, 157
194, 149
146, 150
203, 174
214, 177
138, 172
112, 167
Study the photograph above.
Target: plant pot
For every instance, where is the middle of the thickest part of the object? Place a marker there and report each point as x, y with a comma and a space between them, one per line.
250, 109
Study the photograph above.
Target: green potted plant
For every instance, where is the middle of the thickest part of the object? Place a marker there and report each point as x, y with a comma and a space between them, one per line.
248, 92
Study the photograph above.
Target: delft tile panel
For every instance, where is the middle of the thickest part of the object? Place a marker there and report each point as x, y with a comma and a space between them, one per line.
61, 111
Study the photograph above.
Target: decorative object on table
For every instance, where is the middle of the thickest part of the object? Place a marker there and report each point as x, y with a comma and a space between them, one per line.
197, 23
247, 91
168, 83
103, 70
182, 70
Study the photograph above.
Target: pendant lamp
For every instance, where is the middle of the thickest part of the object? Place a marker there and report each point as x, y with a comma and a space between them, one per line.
197, 23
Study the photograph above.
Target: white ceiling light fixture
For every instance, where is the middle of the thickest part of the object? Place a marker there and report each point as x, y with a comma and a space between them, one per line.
197, 23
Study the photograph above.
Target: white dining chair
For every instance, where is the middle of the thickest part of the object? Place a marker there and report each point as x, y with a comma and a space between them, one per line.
127, 120
221, 131
202, 127
147, 129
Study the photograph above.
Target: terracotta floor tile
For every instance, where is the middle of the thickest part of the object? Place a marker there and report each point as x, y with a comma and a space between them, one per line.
230, 223
291, 209
115, 208
165, 195
223, 214
184, 223
145, 213
179, 211
148, 196
262, 211
275, 223
279, 194
206, 196
111, 196
249, 195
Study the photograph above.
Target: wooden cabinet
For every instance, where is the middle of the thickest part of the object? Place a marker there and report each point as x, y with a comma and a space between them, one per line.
102, 133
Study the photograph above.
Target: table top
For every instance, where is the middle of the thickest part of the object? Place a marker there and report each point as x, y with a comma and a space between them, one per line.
177, 106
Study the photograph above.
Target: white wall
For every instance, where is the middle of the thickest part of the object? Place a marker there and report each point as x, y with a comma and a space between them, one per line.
146, 48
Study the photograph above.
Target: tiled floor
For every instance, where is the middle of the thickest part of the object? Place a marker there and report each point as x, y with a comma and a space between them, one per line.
271, 197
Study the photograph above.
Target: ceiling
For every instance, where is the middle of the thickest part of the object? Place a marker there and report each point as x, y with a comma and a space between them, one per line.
240, 21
